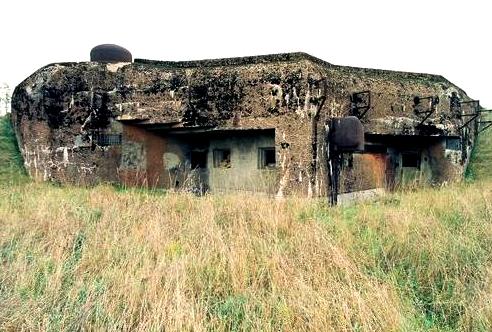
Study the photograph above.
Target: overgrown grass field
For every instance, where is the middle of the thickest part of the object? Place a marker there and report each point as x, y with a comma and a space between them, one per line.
109, 259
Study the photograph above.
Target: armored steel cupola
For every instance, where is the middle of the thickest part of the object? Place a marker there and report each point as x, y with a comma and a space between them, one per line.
347, 134
110, 53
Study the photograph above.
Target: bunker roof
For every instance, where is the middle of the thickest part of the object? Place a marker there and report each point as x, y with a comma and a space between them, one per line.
291, 57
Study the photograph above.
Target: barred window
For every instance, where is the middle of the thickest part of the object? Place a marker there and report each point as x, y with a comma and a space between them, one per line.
453, 143
102, 139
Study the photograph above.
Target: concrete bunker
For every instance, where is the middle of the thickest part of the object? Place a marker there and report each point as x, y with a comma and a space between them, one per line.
258, 124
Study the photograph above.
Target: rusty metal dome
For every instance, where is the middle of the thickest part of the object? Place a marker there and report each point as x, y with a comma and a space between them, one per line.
110, 53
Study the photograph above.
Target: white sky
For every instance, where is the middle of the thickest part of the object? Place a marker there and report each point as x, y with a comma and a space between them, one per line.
451, 38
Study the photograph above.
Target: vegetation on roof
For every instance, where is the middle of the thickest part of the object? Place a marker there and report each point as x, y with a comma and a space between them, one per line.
237, 61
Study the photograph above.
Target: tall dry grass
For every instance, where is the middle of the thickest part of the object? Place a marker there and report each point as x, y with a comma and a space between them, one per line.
100, 259
103, 259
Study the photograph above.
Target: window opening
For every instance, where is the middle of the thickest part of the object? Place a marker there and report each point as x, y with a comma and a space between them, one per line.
266, 157
222, 158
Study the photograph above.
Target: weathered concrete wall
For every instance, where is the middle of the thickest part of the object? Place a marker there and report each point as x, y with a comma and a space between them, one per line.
392, 100
141, 160
391, 112
70, 100
243, 173
57, 110
386, 169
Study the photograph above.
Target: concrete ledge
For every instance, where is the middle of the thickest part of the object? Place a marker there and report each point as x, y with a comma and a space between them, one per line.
359, 196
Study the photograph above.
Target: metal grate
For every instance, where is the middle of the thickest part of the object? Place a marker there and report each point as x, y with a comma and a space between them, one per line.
107, 139
360, 103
